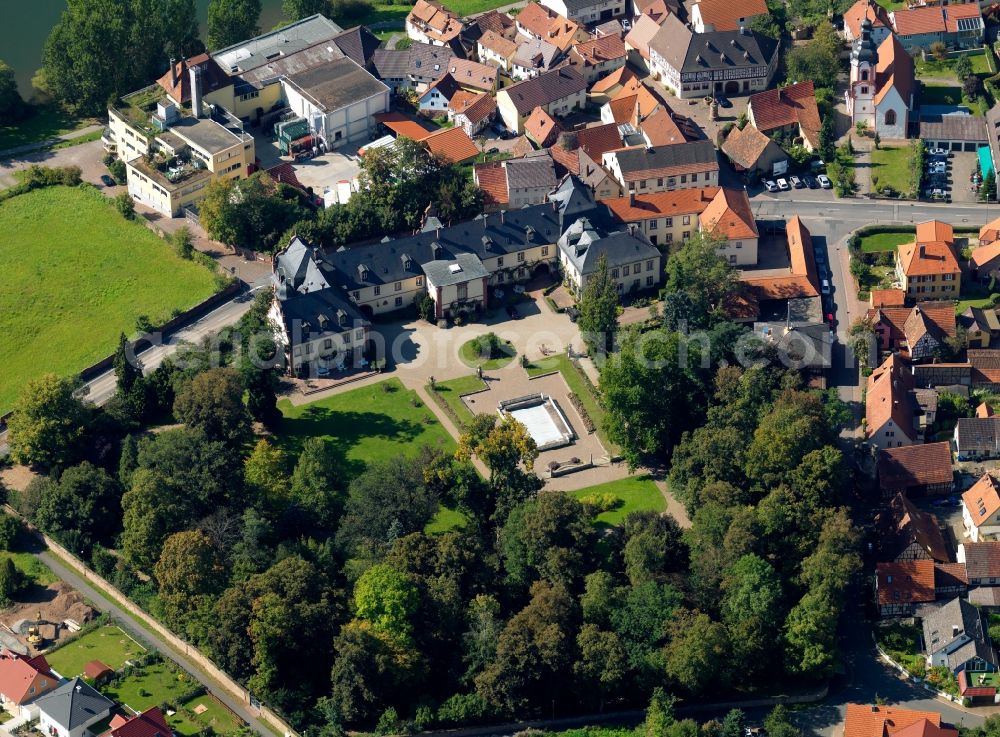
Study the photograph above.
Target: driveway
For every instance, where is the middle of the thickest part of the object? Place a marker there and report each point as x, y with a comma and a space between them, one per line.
85, 155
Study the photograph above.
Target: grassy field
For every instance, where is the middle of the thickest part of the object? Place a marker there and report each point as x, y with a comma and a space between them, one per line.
445, 520
31, 566
44, 123
213, 714
892, 166
946, 67
884, 241
372, 423
470, 356
75, 269
150, 686
451, 392
109, 644
637, 493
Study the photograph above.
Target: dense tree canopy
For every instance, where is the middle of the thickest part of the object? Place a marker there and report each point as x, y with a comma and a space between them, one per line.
12, 107
47, 423
232, 21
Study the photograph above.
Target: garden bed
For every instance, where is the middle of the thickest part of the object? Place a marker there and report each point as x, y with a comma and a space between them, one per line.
634, 494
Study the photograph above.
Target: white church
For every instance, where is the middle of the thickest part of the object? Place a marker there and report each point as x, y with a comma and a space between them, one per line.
882, 88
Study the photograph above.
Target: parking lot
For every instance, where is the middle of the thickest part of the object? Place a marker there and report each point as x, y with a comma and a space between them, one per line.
322, 172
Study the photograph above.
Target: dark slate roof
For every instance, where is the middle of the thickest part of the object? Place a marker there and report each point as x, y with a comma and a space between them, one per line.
939, 623
531, 173
359, 44
427, 60
953, 128
667, 157
982, 560
584, 244
442, 273
74, 704
547, 87
978, 434
728, 49
337, 84
281, 42
391, 63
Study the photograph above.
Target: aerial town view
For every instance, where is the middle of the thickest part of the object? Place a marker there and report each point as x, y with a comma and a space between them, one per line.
466, 368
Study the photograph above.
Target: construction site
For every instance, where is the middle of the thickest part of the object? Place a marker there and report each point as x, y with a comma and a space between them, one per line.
43, 618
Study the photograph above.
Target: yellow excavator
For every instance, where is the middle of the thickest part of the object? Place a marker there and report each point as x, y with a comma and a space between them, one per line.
34, 636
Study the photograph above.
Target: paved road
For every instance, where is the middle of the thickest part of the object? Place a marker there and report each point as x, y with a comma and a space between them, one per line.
101, 388
134, 628
42, 145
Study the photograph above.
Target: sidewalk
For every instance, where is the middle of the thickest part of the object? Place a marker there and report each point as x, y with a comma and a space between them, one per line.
31, 147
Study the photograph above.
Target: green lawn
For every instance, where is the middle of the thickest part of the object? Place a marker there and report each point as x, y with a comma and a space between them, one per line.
372, 423
150, 686
444, 521
109, 644
75, 275
213, 714
637, 493
31, 566
892, 166
451, 392
470, 356
45, 123
946, 67
561, 363
885, 241
939, 94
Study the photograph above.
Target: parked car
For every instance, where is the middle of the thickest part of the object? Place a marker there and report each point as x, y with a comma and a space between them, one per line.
783, 185
323, 371
810, 182
107, 181
627, 24
493, 150
512, 312
820, 258
723, 101
770, 186
796, 182
938, 152
825, 286
824, 181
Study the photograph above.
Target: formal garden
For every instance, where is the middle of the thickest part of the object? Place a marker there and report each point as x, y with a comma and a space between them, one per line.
487, 352
73, 266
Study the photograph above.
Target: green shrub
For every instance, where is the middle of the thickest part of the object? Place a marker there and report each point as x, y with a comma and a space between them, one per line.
602, 502
125, 205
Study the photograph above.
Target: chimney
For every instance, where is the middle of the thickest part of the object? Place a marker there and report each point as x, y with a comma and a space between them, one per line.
437, 232
173, 72
631, 199
955, 629
501, 217
196, 92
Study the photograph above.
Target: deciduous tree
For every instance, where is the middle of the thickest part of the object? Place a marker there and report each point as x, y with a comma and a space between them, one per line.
387, 599
599, 309
12, 107
47, 423
696, 656
232, 21
213, 403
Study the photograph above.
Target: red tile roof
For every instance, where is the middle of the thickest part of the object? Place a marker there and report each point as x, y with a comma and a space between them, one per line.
402, 125
914, 21
886, 397
724, 15
866, 9
888, 298
473, 74
989, 232
954, 13
599, 50
212, 78
498, 44
982, 500
791, 105
935, 230
661, 204
984, 410
548, 25
933, 257
435, 20
96, 669
150, 723
451, 144
492, 180
729, 216
542, 128
972, 692
902, 525
905, 582
475, 107
863, 720
894, 68
598, 139
915, 465
619, 76
802, 281
23, 679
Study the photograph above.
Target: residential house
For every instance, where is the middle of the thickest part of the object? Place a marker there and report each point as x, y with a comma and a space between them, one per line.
575, 160
541, 128
559, 92
905, 532
637, 41
890, 420
598, 57
538, 22
928, 268
980, 326
881, 92
586, 12
950, 580
729, 219
787, 112
901, 587
725, 15
430, 22
611, 84
471, 112
493, 20
875, 14
958, 26
981, 509
800, 281
645, 111
803, 344
954, 637
982, 562
977, 438
749, 150
473, 76
22, 681
634, 263
71, 709
918, 333
436, 99
862, 720
533, 56
413, 68
985, 368
611, 27
149, 723
663, 168
516, 182
496, 50
985, 261
718, 62
452, 145
916, 469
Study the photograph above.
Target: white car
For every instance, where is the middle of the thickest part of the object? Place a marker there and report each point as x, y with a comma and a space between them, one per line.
938, 152
824, 181
783, 185
795, 182
770, 186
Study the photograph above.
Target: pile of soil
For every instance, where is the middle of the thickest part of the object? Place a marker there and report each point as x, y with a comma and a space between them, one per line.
53, 603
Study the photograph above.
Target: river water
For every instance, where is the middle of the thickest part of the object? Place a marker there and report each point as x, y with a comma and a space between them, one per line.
28, 25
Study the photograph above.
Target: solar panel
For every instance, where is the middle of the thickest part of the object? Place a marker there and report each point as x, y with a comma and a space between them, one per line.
968, 24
